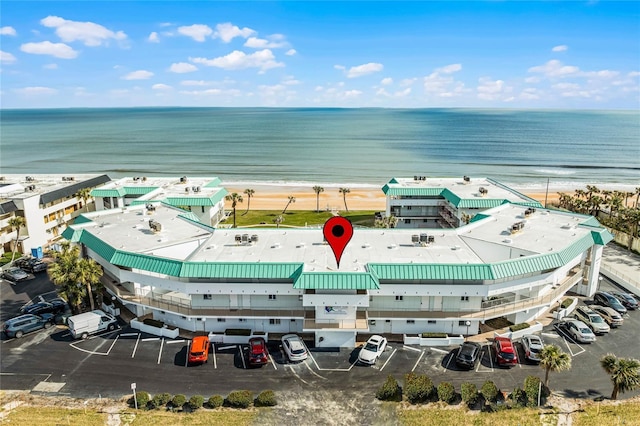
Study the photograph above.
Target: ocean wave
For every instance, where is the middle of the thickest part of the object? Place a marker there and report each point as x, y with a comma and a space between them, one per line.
555, 172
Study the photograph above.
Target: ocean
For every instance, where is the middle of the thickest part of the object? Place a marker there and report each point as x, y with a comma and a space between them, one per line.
522, 148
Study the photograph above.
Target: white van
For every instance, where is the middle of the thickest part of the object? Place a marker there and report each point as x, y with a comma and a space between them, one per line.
82, 325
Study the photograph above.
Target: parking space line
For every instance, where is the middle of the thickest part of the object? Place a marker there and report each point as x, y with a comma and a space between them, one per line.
313, 359
296, 374
150, 339
136, 346
446, 367
160, 353
389, 359
272, 362
175, 341
409, 347
111, 347
313, 372
224, 348
418, 361
128, 334
244, 365
215, 361
442, 351
186, 355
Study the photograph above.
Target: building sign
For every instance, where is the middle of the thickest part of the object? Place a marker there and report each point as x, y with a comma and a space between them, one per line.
336, 310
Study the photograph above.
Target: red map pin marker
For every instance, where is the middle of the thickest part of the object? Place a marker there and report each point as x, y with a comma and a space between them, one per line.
338, 232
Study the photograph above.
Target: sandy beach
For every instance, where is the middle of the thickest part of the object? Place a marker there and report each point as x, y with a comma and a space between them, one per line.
274, 197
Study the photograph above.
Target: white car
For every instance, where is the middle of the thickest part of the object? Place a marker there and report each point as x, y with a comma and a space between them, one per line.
532, 345
294, 347
578, 330
372, 350
610, 315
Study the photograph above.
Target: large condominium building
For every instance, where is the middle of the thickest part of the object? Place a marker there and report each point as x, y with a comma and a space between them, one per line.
48, 203
511, 260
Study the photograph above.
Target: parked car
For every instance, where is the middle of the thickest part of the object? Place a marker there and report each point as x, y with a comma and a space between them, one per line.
294, 347
532, 345
505, 352
627, 300
199, 350
605, 299
258, 353
31, 264
19, 326
15, 274
592, 319
372, 350
56, 306
468, 355
610, 315
577, 330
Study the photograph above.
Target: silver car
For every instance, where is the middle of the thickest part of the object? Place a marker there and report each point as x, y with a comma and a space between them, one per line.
577, 330
610, 315
294, 347
592, 319
532, 345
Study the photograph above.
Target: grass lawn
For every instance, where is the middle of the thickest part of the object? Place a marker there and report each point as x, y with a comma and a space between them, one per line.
460, 417
297, 218
624, 414
44, 416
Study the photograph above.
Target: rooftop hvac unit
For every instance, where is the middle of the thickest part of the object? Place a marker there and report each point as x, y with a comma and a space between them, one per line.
483, 191
424, 238
187, 190
30, 188
151, 207
518, 226
415, 238
467, 179
29, 179
155, 226
144, 178
529, 211
183, 179
254, 238
136, 178
238, 238
431, 239
245, 238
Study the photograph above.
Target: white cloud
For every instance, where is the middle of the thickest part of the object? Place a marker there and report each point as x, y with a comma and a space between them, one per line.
198, 32
161, 86
51, 67
634, 74
272, 42
138, 75
560, 48
36, 90
227, 32
532, 80
211, 92
442, 83
530, 94
195, 83
339, 67
153, 38
398, 94
364, 69
449, 69
490, 90
182, 67
263, 59
6, 57
386, 81
10, 31
407, 82
90, 33
59, 50
290, 81
290, 52
554, 68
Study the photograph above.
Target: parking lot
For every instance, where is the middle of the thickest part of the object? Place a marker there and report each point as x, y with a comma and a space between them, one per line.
106, 365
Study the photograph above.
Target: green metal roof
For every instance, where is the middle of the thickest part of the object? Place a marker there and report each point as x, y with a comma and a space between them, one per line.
431, 271
240, 270
139, 190
81, 219
602, 236
115, 192
122, 191
190, 216
336, 281
72, 234
197, 201
415, 192
213, 183
393, 180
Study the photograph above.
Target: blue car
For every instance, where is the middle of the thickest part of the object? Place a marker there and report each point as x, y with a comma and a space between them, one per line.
19, 326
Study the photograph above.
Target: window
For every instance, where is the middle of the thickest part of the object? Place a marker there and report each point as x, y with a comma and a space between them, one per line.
408, 207
411, 321
274, 321
222, 320
206, 296
464, 298
387, 321
272, 297
425, 220
407, 221
431, 321
242, 320
400, 298
461, 323
202, 209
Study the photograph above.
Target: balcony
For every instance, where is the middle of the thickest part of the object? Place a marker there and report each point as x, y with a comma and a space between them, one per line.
360, 323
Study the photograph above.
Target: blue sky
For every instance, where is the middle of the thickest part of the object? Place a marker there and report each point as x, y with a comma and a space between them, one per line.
493, 54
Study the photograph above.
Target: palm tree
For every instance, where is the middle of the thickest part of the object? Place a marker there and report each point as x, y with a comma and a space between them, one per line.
386, 222
637, 196
344, 192
85, 195
278, 220
88, 273
318, 190
625, 373
235, 198
249, 193
292, 199
553, 359
63, 273
16, 223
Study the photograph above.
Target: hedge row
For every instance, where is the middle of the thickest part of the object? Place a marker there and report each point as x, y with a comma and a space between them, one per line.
236, 399
566, 303
521, 326
420, 389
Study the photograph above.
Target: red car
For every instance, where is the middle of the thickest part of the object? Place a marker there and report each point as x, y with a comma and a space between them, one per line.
506, 355
258, 354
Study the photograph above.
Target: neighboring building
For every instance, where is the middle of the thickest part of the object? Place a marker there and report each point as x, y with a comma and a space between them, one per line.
511, 260
204, 197
446, 202
48, 204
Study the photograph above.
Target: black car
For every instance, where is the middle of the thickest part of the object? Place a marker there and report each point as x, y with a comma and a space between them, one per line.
31, 264
468, 355
56, 306
627, 300
605, 299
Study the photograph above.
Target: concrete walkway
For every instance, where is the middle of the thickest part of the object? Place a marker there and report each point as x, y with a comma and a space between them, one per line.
621, 266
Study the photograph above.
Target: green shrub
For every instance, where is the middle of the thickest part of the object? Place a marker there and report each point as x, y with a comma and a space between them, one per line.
266, 399
518, 398
215, 401
389, 391
531, 388
490, 391
520, 326
240, 399
196, 401
238, 332
178, 401
152, 322
446, 392
434, 335
142, 398
160, 400
418, 388
469, 393
566, 303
